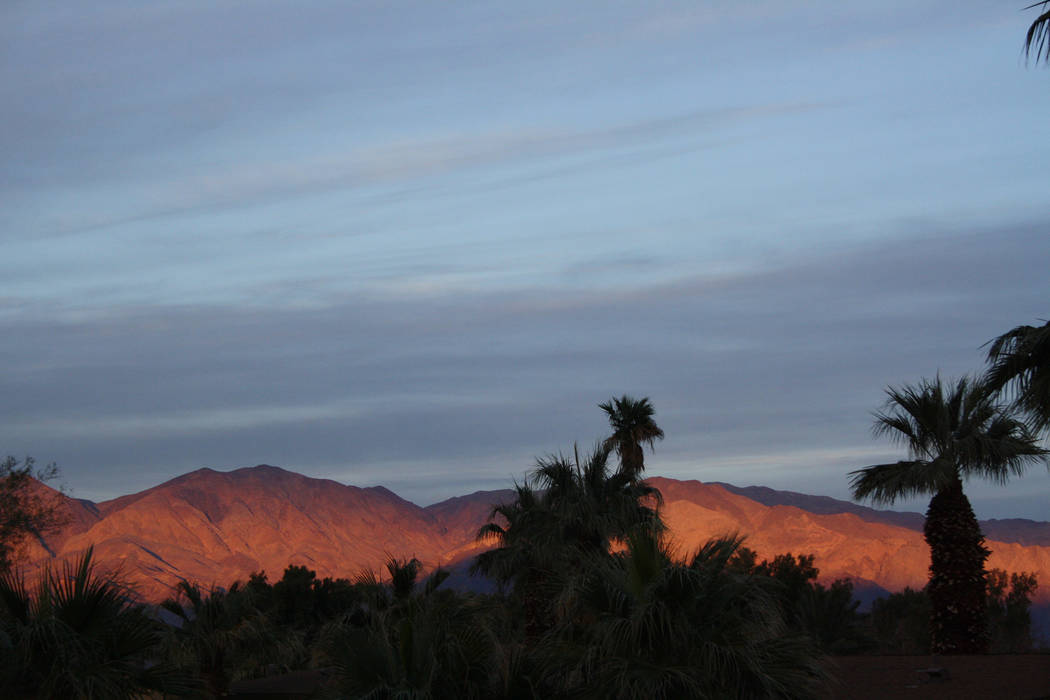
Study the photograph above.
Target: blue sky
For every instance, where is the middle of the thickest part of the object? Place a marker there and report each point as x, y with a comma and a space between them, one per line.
416, 243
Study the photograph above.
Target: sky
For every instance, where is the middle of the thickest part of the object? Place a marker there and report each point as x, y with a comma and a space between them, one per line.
415, 244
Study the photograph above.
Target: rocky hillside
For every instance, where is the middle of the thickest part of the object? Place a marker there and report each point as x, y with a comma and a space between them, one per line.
216, 527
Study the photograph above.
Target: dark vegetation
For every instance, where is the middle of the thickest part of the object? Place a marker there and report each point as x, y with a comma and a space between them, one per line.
591, 600
24, 512
592, 603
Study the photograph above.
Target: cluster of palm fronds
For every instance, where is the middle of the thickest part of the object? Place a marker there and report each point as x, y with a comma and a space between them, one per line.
603, 609
75, 634
634, 624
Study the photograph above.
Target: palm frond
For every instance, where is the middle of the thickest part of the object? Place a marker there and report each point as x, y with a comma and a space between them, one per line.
884, 484
1038, 35
952, 430
1019, 367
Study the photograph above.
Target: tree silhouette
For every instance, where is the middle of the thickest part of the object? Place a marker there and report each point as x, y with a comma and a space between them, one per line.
566, 512
633, 425
76, 635
1020, 363
951, 432
1009, 610
223, 636
647, 626
24, 511
429, 644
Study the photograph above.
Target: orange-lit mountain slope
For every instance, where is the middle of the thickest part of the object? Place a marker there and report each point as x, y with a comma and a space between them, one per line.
216, 527
845, 544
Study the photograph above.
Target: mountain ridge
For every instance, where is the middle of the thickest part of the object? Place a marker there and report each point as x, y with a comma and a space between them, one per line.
1021, 530
214, 527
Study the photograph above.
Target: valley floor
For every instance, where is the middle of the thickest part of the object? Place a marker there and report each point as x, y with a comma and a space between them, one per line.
998, 677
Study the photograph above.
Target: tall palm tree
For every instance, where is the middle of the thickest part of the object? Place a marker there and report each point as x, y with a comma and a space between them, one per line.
1038, 36
952, 432
633, 425
1020, 361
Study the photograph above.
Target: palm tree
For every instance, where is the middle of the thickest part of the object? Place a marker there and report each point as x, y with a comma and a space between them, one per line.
566, 512
951, 432
567, 508
222, 637
1020, 360
654, 628
431, 644
1038, 36
77, 635
632, 423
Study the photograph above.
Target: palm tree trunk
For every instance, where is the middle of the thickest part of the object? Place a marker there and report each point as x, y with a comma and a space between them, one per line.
537, 605
957, 588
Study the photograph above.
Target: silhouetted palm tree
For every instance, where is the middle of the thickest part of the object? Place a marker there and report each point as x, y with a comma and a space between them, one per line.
431, 644
951, 433
657, 628
223, 637
76, 635
567, 506
1020, 362
403, 575
1038, 36
565, 513
633, 425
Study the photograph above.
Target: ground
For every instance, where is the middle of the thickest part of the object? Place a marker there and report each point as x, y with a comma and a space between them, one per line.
1002, 677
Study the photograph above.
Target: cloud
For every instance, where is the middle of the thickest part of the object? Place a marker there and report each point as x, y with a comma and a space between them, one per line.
769, 372
252, 180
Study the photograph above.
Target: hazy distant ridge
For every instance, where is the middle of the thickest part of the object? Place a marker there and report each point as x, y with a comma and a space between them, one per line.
1020, 530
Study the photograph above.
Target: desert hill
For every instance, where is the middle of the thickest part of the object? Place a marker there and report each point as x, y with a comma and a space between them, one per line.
1020, 530
216, 527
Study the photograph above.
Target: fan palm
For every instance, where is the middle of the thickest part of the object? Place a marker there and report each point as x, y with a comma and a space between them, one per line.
633, 425
432, 644
222, 637
1020, 359
566, 507
952, 432
76, 635
659, 628
566, 512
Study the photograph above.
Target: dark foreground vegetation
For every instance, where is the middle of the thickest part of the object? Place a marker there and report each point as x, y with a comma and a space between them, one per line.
591, 602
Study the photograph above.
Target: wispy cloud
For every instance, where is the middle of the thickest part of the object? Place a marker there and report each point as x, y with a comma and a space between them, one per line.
768, 374
255, 181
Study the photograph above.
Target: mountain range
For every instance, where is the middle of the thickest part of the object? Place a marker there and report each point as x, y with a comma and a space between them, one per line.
214, 527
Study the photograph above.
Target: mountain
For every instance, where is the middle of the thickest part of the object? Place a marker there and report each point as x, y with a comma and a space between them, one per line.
1020, 530
217, 527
